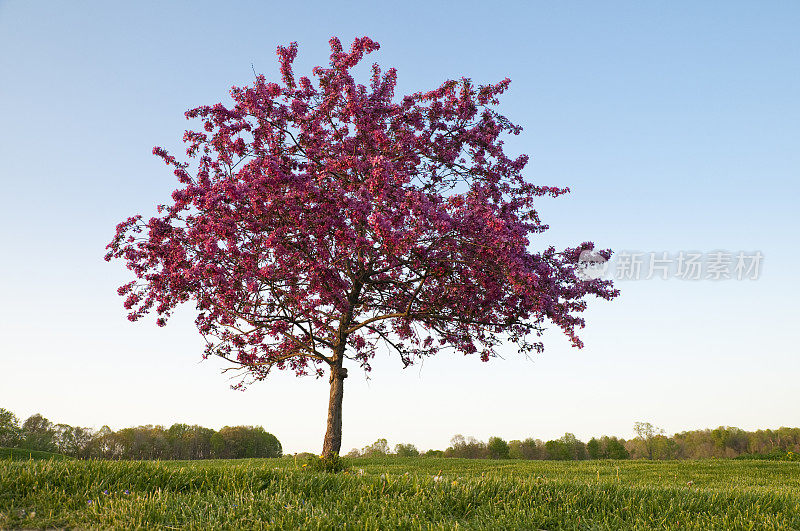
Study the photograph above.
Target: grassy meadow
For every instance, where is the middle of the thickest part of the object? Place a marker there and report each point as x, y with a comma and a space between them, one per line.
408, 493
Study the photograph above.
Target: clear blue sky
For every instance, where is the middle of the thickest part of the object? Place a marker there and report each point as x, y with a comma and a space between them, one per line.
676, 125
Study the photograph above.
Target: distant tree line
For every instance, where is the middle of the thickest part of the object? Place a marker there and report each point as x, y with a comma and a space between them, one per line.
650, 443
179, 441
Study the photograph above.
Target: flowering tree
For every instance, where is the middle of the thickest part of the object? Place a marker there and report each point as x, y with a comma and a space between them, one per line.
321, 220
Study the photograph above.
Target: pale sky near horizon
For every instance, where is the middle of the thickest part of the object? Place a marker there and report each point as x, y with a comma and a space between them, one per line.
675, 124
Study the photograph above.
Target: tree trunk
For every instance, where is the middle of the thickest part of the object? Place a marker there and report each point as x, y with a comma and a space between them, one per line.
333, 435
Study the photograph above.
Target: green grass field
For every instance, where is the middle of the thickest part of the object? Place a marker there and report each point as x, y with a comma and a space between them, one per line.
266, 493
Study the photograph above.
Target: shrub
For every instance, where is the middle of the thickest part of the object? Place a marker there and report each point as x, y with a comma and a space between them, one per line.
331, 464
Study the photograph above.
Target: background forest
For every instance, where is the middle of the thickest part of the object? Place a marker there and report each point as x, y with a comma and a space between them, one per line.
183, 441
